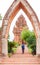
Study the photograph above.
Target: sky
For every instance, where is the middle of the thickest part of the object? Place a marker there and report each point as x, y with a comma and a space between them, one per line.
5, 4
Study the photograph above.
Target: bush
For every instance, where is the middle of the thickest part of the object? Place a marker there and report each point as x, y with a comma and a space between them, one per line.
14, 50
0, 17
30, 50
32, 43
9, 54
9, 46
12, 45
15, 44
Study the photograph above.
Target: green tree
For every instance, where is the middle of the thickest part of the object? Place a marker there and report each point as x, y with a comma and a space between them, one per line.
29, 37
25, 34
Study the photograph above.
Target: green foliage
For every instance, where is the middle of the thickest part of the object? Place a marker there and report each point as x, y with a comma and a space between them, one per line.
14, 50
0, 28
9, 47
25, 34
32, 42
15, 44
0, 17
12, 45
30, 38
9, 54
30, 50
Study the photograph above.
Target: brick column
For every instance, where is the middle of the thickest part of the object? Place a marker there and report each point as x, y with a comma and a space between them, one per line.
38, 46
0, 42
0, 46
4, 39
4, 46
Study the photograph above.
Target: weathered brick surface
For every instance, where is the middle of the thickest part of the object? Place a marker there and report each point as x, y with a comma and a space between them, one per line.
20, 24
0, 42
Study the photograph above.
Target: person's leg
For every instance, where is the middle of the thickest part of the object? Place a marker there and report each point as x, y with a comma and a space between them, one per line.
22, 50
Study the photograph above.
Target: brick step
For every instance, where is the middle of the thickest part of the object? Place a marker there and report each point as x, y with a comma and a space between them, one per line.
26, 61
24, 56
20, 59
15, 59
19, 64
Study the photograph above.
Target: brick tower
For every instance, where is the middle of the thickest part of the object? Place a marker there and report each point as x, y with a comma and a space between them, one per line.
20, 23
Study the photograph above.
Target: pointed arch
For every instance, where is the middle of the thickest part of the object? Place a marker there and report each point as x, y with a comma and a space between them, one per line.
13, 10
11, 13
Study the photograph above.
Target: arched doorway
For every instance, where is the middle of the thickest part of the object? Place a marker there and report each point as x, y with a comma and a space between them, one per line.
7, 20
